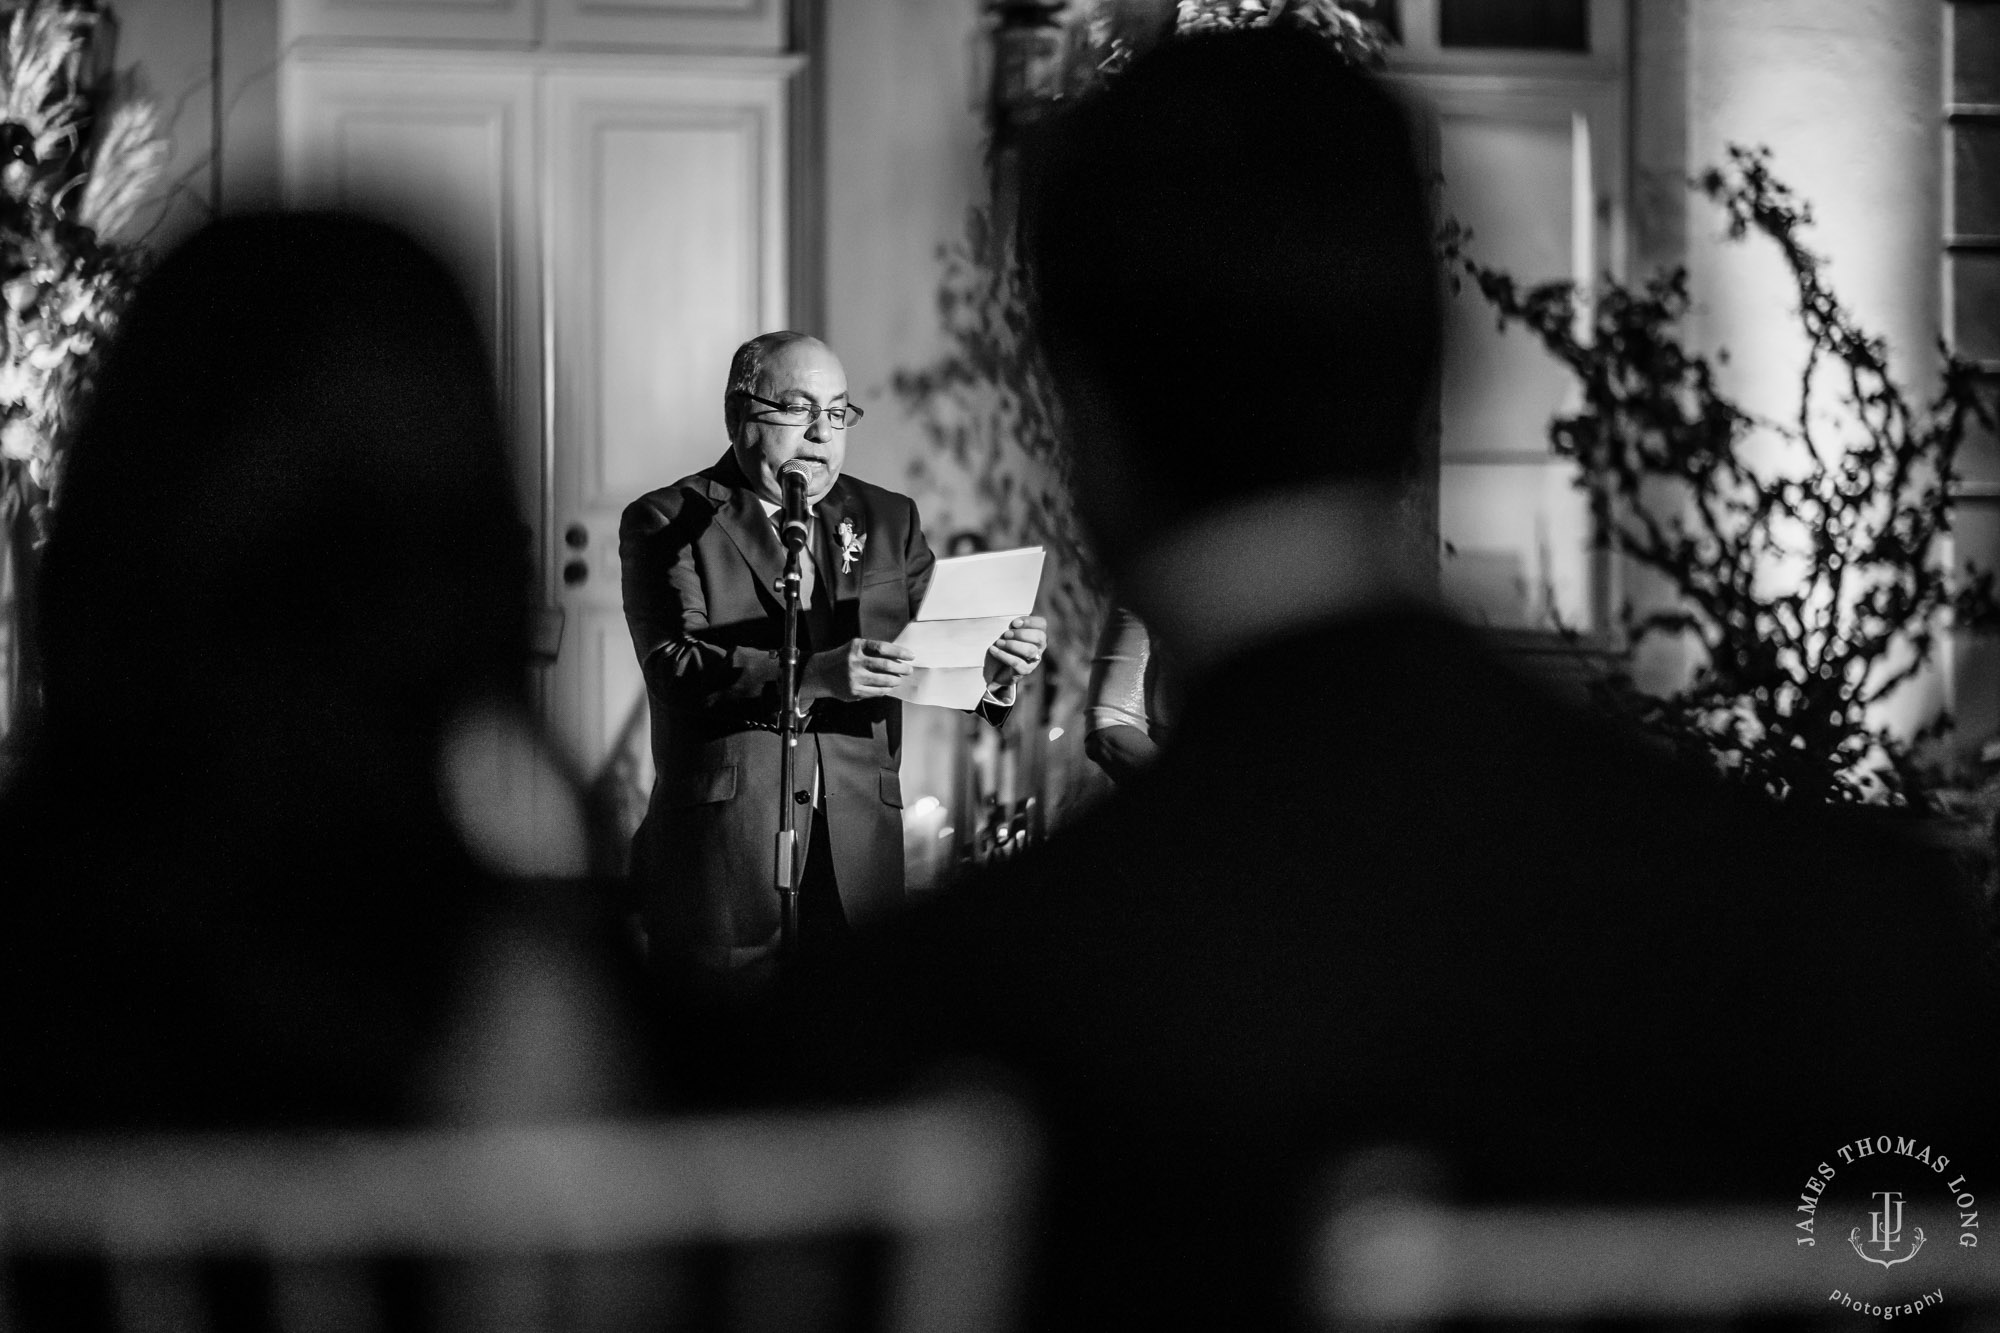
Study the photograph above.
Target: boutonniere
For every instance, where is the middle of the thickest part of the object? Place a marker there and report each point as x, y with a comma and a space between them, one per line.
851, 543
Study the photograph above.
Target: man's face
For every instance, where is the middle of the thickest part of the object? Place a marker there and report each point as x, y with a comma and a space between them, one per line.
797, 374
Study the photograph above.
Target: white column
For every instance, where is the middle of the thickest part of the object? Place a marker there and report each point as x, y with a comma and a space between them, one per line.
1846, 95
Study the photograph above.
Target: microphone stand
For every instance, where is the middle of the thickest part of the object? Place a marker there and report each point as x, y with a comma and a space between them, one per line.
787, 864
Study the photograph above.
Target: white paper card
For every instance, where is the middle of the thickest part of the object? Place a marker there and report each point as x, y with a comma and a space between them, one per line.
968, 605
945, 687
952, 643
992, 583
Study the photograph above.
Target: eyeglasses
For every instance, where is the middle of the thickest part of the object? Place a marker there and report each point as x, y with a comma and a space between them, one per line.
839, 415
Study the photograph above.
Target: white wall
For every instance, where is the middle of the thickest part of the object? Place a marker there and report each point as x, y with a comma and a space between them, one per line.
1846, 93
171, 46
902, 167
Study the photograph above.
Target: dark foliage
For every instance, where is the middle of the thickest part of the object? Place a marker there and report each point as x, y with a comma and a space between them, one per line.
1804, 555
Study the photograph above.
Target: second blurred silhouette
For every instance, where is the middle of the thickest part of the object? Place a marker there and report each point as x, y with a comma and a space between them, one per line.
260, 848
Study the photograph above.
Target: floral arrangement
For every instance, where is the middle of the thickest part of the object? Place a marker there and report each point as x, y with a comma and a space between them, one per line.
79, 157
76, 164
1357, 36
987, 403
1803, 554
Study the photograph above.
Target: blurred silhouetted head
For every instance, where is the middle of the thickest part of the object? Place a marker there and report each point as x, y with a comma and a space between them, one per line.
1232, 259
287, 516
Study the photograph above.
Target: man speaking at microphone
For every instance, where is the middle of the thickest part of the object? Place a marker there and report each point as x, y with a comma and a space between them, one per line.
703, 561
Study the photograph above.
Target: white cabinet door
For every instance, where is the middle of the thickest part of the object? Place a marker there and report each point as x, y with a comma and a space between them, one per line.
667, 248
448, 154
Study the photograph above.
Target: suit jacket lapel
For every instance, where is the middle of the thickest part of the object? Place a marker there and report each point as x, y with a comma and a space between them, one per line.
738, 513
838, 508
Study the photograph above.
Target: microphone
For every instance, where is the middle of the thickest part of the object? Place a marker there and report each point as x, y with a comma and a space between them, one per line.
792, 479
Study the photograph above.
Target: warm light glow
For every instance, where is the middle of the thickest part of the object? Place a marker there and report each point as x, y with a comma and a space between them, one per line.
946, 832
924, 805
1055, 733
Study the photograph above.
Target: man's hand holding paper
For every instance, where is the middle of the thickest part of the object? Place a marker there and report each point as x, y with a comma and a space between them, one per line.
976, 633
1015, 654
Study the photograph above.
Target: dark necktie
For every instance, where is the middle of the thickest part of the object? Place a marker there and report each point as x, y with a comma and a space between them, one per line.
808, 575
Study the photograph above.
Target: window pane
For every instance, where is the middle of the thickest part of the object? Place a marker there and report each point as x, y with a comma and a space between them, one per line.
1975, 177
1975, 65
1521, 25
1974, 276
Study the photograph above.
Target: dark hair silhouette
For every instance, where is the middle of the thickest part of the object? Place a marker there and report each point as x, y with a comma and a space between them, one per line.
286, 551
292, 470
1231, 245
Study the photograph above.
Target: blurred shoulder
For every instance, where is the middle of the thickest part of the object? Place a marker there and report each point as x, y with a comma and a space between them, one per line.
658, 508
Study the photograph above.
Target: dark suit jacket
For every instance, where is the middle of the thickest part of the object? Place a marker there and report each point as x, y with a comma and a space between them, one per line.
701, 565
1377, 889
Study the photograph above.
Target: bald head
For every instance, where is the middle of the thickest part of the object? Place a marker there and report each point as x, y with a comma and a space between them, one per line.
775, 382
747, 367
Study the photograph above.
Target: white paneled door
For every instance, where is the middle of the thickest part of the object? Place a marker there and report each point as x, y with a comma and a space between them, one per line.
667, 249
620, 226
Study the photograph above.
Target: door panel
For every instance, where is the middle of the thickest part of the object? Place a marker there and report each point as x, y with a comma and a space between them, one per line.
686, 25
444, 153
509, 21
667, 245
